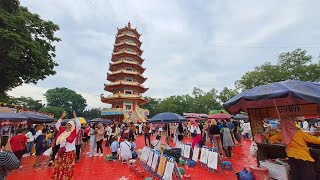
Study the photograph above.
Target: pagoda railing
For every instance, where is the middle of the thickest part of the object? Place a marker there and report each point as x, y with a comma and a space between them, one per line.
124, 71
124, 34
125, 61
130, 43
122, 95
125, 83
124, 51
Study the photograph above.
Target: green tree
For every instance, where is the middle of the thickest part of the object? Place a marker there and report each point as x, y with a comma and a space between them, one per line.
57, 111
26, 102
291, 65
227, 94
26, 46
91, 113
152, 106
67, 99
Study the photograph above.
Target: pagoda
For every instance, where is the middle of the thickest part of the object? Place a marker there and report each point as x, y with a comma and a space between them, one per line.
126, 79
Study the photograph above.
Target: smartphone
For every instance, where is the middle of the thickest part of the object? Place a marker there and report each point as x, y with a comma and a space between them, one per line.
4, 140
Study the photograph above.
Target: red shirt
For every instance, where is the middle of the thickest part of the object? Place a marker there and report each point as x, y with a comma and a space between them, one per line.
18, 142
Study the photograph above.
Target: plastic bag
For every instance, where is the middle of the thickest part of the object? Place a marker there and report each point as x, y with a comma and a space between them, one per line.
48, 152
253, 149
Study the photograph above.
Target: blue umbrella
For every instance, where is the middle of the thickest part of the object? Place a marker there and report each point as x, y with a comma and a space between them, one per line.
240, 116
37, 117
101, 120
285, 93
167, 117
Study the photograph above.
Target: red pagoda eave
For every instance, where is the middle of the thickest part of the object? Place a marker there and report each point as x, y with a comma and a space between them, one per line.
118, 64
113, 86
128, 37
111, 99
130, 29
112, 77
122, 53
127, 44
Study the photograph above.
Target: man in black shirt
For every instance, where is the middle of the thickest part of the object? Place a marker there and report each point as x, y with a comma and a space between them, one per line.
236, 134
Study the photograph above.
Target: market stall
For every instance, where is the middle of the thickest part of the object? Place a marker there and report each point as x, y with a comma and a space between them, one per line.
285, 100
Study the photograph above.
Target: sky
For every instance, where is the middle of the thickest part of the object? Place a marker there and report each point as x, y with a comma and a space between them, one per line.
204, 44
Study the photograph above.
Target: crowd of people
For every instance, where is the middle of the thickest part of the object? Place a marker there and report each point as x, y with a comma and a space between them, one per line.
69, 141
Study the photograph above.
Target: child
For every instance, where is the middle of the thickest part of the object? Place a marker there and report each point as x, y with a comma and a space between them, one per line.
40, 146
133, 148
114, 148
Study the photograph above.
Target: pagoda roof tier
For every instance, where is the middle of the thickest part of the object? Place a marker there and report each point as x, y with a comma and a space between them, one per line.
123, 97
122, 84
124, 63
128, 28
111, 76
124, 53
118, 39
127, 44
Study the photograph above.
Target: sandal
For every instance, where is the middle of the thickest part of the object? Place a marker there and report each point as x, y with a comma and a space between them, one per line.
36, 165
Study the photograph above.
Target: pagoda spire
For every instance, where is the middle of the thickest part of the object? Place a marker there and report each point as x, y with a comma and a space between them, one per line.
129, 24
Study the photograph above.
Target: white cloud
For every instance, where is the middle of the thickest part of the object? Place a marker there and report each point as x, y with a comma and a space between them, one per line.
208, 44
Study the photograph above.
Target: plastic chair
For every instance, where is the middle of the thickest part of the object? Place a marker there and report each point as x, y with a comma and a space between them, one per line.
228, 164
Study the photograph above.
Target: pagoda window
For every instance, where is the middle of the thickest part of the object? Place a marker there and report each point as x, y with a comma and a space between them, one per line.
129, 32
128, 92
129, 59
129, 69
129, 49
128, 79
130, 41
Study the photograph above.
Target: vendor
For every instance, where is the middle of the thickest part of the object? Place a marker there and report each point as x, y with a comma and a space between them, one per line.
276, 139
300, 160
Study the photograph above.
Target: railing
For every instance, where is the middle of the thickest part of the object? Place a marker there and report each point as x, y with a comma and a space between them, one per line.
124, 71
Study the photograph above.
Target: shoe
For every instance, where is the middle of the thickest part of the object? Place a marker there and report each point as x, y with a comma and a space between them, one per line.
26, 155
95, 155
77, 160
101, 154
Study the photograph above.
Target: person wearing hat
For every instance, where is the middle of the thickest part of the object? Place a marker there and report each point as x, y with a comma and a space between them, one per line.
64, 165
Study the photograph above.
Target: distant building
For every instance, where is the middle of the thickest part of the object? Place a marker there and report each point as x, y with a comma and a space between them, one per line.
126, 79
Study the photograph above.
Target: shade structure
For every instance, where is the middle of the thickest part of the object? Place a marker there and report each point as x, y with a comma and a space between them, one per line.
167, 117
219, 116
240, 116
284, 93
10, 118
37, 117
101, 120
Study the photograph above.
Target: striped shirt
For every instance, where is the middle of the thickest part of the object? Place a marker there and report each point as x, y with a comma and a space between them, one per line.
8, 162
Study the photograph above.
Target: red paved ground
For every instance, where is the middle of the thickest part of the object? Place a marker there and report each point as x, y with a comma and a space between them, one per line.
96, 168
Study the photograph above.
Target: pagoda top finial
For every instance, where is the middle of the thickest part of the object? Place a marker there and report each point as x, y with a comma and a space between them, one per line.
129, 24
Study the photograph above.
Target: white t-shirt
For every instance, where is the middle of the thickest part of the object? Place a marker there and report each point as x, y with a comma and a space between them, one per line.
193, 128
125, 149
156, 144
30, 137
108, 130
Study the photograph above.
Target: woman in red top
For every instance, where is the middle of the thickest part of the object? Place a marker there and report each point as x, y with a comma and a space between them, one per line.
18, 143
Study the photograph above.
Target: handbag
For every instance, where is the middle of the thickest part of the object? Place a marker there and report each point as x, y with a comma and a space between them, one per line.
62, 150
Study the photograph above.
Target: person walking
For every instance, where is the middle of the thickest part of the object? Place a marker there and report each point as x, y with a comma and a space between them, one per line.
108, 136
79, 143
99, 139
40, 146
227, 140
30, 139
19, 143
92, 140
146, 131
64, 165
214, 135
195, 132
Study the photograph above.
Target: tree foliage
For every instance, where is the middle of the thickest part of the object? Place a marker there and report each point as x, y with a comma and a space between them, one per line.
66, 99
26, 46
227, 94
26, 102
295, 65
91, 113
57, 111
198, 102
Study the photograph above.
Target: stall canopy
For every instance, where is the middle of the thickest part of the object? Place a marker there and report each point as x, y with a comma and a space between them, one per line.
37, 117
284, 93
10, 118
167, 117
240, 116
219, 116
